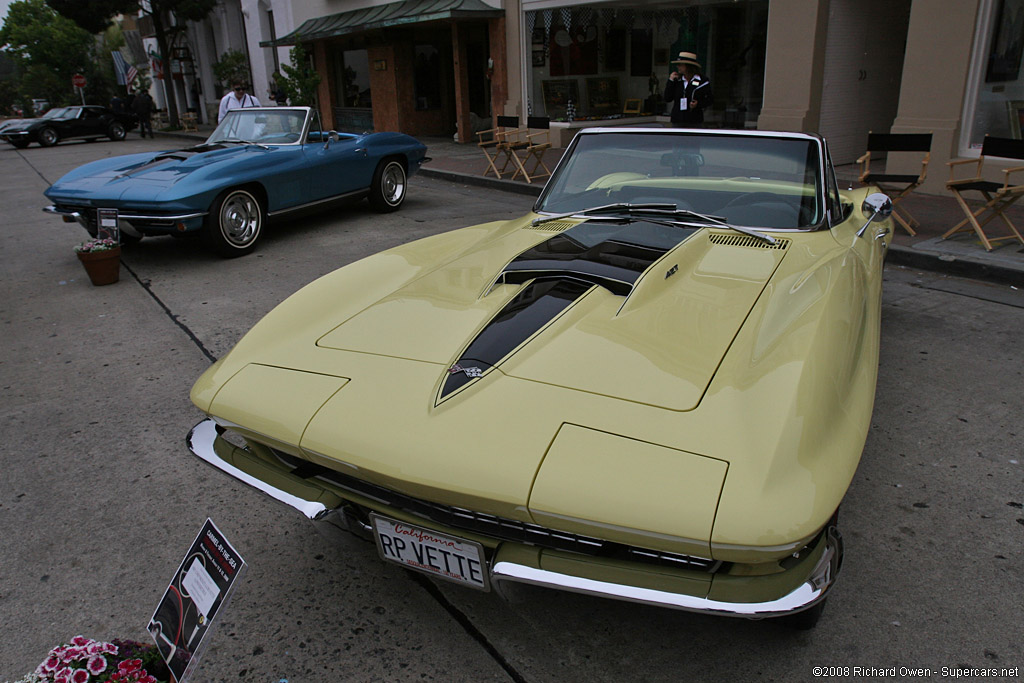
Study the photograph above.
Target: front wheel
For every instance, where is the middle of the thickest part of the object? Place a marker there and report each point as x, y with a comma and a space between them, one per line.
48, 137
388, 190
117, 131
235, 223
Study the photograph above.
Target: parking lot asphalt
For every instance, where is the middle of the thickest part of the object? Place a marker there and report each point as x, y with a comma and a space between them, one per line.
99, 497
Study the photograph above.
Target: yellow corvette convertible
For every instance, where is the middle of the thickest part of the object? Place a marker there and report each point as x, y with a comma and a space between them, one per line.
654, 387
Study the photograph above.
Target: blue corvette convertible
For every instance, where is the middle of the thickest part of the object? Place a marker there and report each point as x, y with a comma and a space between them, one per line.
259, 163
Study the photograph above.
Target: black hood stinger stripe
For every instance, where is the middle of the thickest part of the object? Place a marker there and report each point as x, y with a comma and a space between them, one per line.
559, 271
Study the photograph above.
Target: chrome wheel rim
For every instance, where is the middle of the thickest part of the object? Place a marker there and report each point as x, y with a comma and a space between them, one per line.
48, 136
240, 219
118, 130
392, 183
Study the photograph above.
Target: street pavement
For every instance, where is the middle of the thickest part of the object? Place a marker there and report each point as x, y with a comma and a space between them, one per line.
99, 498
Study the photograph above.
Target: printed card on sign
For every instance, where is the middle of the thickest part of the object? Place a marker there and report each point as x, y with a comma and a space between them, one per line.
106, 225
198, 592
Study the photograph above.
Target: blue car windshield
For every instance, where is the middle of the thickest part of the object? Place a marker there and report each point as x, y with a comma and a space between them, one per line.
748, 180
265, 126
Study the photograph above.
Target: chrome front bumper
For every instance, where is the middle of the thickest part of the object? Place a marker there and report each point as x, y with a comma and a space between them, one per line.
70, 215
332, 519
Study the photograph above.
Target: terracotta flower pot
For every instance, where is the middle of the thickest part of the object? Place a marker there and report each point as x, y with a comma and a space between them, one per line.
103, 267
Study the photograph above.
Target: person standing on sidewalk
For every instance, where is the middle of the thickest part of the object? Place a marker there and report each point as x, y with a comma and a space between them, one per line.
688, 91
142, 105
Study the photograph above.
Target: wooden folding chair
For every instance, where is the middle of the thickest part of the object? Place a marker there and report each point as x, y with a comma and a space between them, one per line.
533, 151
998, 197
897, 186
491, 142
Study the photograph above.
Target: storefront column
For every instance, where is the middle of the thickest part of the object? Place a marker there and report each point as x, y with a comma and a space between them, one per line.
499, 74
514, 105
935, 76
463, 130
384, 86
323, 89
794, 65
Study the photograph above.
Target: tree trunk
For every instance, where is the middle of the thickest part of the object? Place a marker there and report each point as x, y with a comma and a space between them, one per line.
165, 54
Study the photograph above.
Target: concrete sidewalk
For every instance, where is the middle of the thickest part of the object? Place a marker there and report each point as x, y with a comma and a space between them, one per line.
962, 255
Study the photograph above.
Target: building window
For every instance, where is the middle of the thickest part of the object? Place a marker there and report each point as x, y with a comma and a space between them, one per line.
996, 101
601, 61
352, 79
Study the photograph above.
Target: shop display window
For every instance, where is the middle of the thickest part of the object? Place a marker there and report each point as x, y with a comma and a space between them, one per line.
603, 62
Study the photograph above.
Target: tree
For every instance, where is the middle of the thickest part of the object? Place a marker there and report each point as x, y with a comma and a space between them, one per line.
233, 66
167, 15
300, 79
47, 50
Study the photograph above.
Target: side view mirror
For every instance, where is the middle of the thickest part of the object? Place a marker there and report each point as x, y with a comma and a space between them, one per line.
876, 207
331, 137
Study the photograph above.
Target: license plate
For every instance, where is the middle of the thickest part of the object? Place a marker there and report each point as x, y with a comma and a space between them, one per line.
446, 557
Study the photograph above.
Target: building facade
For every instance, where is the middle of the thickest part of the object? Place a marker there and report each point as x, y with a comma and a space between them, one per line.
838, 67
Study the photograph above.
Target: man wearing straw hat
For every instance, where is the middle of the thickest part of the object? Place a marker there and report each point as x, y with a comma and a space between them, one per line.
688, 91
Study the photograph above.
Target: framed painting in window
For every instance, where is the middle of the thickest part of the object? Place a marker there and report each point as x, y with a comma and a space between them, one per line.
603, 96
1015, 110
558, 94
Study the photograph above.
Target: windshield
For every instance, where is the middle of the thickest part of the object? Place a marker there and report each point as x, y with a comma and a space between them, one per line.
753, 181
265, 126
57, 113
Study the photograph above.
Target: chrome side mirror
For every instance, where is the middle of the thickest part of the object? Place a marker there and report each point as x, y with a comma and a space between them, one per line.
331, 137
876, 207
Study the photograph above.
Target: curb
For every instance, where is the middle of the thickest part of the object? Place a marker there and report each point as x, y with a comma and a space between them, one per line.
481, 181
912, 258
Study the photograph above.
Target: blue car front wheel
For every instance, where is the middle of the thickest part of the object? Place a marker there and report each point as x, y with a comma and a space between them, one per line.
235, 223
388, 190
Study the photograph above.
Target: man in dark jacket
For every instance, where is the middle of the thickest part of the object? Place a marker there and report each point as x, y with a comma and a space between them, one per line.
142, 105
688, 91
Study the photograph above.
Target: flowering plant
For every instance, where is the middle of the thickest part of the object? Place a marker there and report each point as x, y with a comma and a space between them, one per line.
89, 246
93, 661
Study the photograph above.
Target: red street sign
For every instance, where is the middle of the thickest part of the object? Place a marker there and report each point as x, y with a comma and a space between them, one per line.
78, 80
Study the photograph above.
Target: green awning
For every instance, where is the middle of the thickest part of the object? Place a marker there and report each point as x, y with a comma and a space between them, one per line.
384, 16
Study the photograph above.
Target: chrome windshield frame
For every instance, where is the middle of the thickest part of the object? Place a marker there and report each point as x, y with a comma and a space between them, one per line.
825, 223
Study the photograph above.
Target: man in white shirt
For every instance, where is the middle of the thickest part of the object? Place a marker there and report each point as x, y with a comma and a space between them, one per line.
236, 99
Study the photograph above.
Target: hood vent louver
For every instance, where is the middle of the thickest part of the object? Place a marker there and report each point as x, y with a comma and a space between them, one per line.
552, 226
745, 241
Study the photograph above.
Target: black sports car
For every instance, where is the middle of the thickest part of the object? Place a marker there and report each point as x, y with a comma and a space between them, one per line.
65, 123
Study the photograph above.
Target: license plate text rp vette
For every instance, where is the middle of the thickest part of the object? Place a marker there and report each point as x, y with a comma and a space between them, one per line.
446, 557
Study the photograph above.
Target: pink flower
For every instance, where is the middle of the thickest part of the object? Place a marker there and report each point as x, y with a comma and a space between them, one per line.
70, 653
50, 663
97, 664
63, 675
109, 649
130, 665
80, 641
80, 676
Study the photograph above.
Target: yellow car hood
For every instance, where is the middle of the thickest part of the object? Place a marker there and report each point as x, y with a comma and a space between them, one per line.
659, 343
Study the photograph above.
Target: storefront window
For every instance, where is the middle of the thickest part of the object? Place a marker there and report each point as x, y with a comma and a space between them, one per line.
353, 79
998, 97
604, 62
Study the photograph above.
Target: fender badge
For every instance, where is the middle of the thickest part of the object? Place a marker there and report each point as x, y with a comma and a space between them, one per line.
672, 271
470, 372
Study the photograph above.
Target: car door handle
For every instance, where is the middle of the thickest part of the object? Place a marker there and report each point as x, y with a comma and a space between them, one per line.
360, 150
881, 233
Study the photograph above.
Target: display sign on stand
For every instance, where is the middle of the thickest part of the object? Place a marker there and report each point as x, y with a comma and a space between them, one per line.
106, 225
199, 591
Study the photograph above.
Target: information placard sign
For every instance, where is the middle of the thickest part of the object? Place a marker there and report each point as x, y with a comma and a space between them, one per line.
198, 592
106, 224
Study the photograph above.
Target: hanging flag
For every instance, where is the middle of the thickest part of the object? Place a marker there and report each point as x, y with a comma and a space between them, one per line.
157, 63
120, 67
133, 73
